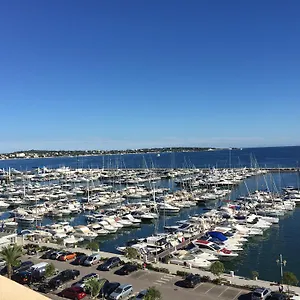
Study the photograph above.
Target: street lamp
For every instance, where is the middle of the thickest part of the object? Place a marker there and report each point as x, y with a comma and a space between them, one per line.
281, 263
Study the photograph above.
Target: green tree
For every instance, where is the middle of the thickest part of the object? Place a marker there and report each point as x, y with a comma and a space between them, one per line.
289, 278
93, 285
94, 246
11, 255
153, 294
49, 270
217, 268
131, 253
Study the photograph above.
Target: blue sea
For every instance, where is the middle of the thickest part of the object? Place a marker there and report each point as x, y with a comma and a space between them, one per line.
270, 157
260, 253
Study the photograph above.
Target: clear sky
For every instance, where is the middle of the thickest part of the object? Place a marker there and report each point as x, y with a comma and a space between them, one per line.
130, 73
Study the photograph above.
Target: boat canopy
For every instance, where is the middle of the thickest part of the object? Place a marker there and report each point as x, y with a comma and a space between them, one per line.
219, 235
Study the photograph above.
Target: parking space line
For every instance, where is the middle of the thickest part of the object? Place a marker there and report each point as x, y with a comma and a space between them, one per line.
209, 289
201, 283
160, 281
223, 291
236, 297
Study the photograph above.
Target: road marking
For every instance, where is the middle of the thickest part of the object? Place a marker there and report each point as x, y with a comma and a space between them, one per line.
170, 275
209, 289
156, 283
238, 294
223, 291
197, 285
160, 281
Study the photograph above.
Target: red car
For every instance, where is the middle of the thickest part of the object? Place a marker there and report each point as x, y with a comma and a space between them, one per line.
75, 293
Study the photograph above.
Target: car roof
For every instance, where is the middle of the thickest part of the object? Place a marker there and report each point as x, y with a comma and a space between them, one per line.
260, 290
124, 285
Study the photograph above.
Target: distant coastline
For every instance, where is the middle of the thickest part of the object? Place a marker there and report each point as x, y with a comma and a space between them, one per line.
29, 154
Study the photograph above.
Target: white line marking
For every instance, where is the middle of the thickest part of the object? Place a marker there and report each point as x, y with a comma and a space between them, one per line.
209, 290
238, 294
160, 281
224, 291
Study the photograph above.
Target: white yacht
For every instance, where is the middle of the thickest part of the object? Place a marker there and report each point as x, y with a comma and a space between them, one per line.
167, 208
84, 232
132, 219
106, 226
210, 247
99, 229
3, 205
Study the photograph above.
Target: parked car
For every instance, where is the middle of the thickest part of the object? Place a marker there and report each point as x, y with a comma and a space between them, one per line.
62, 278
126, 269
278, 296
47, 254
22, 267
75, 293
84, 279
141, 295
123, 291
261, 294
67, 256
56, 254
191, 280
44, 288
108, 288
29, 276
79, 260
112, 262
92, 259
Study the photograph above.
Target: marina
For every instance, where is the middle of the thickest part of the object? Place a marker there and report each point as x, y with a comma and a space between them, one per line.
188, 216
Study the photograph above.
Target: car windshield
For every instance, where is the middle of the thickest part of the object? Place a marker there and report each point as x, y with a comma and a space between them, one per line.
256, 294
118, 290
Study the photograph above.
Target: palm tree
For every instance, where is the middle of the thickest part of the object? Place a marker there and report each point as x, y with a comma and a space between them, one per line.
94, 286
11, 255
153, 294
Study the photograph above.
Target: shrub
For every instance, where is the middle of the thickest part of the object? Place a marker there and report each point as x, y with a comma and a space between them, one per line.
217, 268
50, 270
94, 246
182, 273
131, 253
205, 279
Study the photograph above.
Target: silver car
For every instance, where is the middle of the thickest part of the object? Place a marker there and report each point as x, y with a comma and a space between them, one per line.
124, 290
261, 293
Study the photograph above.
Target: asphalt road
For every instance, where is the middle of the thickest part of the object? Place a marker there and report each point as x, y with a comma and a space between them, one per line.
168, 284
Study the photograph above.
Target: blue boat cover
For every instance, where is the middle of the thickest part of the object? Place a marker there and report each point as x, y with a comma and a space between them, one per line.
219, 235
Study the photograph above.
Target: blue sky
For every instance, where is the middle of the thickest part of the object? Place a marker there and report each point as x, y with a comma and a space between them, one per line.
129, 74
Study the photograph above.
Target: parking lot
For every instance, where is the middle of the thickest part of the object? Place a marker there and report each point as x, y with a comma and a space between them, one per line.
168, 284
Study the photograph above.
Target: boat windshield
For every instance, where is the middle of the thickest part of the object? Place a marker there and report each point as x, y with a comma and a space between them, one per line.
216, 247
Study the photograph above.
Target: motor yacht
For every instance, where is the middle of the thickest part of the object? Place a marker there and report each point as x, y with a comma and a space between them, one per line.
84, 232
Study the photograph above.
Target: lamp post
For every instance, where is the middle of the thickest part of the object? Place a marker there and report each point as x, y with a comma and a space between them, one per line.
282, 264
